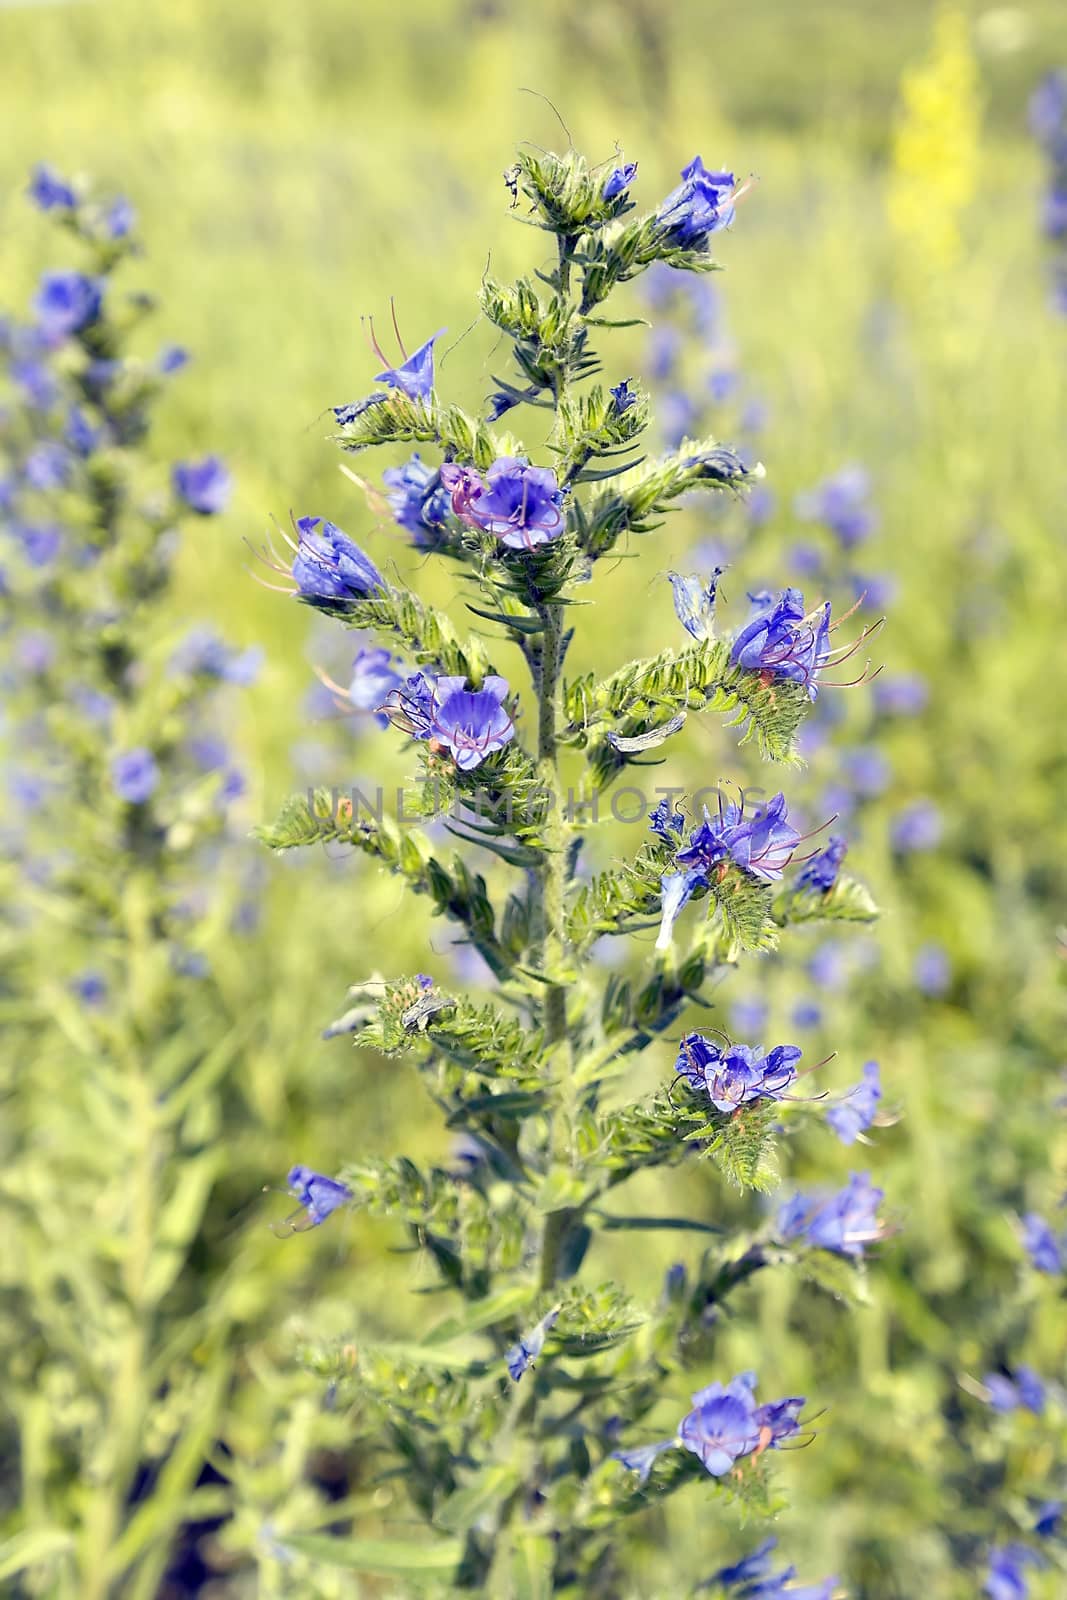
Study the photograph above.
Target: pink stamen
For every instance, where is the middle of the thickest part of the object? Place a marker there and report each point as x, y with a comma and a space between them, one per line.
396, 330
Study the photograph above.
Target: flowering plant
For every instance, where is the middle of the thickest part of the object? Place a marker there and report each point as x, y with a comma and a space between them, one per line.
518, 1418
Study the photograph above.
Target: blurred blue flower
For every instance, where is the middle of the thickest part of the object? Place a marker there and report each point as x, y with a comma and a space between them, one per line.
867, 769
67, 302
40, 545
329, 566
841, 503
34, 651
1047, 1518
80, 433
119, 218
1006, 1578
172, 358
90, 987
206, 653
50, 192
1041, 1244
844, 1223
748, 1013
204, 486
375, 674
917, 827
134, 775
903, 696
932, 970
39, 387
1048, 108
47, 466
856, 1113
642, 1458
677, 416
662, 351
806, 1014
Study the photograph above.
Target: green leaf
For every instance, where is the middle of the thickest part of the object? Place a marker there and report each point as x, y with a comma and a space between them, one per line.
385, 1556
532, 1561
484, 1314
559, 1190
469, 1504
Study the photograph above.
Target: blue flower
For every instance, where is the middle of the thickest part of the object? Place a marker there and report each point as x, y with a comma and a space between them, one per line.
409, 707
664, 347
858, 1110
67, 302
417, 499
820, 873
50, 192
694, 603
841, 504
1031, 1389
845, 1223
916, 827
35, 651
471, 723
522, 1355
374, 678
328, 566
1006, 1578
665, 822
415, 377
748, 1013
1044, 1249
762, 843
134, 775
755, 1565
677, 415
701, 205
722, 1425
736, 1074
623, 397
319, 1196
784, 641
204, 486
619, 180
676, 890
520, 504
642, 1458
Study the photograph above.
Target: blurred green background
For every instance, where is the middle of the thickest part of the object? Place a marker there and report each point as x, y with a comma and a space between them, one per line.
296, 165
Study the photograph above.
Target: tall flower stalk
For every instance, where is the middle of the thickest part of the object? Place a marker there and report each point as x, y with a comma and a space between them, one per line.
520, 1418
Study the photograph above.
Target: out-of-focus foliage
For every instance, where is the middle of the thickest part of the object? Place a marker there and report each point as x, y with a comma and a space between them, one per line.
289, 161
